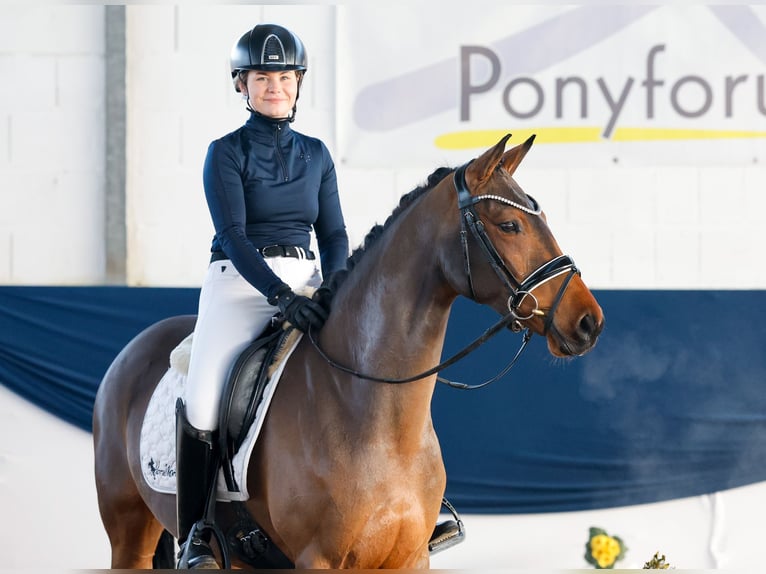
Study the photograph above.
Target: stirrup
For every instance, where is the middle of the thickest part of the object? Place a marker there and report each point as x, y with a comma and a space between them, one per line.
448, 533
195, 553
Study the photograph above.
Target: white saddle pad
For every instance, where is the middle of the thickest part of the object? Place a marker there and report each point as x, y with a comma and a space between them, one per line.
158, 432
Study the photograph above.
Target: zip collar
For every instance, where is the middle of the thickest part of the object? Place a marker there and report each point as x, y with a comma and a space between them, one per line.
265, 124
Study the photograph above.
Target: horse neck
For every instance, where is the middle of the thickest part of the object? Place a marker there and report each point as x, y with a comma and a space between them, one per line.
393, 314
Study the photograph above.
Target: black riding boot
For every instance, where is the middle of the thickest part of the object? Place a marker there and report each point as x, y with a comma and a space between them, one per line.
194, 476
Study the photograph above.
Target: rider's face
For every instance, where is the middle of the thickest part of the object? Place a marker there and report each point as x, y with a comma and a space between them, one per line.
272, 94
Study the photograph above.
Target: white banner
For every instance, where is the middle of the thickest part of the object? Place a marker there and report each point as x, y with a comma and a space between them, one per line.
424, 83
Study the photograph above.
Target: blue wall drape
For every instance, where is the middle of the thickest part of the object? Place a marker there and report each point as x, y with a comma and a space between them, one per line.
670, 403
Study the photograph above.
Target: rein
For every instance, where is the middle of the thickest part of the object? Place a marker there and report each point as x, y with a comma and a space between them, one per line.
486, 336
519, 290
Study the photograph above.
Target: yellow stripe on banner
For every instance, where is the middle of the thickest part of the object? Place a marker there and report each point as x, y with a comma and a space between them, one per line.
487, 138
654, 134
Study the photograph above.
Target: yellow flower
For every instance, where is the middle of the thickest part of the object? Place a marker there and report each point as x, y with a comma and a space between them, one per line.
603, 550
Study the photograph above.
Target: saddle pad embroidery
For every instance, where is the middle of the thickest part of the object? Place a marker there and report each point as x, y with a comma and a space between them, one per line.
158, 434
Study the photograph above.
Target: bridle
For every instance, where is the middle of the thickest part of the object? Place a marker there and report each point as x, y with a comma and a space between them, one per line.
519, 290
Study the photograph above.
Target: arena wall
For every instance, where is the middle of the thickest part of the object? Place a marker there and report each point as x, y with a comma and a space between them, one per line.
625, 216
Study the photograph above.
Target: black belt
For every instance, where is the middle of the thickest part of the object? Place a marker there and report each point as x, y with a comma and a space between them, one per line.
286, 251
273, 251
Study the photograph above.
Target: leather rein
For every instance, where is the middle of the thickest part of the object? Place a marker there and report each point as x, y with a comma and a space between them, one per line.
519, 290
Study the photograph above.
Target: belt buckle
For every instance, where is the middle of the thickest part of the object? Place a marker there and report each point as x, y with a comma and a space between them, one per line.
265, 249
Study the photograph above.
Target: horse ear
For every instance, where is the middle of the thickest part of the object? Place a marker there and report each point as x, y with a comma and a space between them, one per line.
512, 158
480, 169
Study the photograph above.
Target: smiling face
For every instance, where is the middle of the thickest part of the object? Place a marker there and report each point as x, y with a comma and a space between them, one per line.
272, 94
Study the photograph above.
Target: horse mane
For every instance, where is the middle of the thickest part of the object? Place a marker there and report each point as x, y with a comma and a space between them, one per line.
404, 202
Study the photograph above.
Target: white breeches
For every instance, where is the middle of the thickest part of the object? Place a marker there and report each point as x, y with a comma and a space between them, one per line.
232, 313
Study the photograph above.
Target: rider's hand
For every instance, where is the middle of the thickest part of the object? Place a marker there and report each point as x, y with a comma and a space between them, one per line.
299, 310
326, 291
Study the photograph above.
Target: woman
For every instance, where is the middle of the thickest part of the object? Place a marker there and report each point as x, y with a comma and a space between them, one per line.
266, 186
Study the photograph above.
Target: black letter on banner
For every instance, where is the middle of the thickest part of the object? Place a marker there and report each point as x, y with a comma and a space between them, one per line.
466, 89
615, 106
560, 83
730, 83
650, 80
705, 88
761, 99
538, 92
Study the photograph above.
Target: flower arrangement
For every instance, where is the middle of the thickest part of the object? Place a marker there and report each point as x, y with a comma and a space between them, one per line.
602, 550
657, 563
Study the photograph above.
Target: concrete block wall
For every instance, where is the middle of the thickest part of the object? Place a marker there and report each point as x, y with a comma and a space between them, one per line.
658, 227
51, 144
653, 226
626, 227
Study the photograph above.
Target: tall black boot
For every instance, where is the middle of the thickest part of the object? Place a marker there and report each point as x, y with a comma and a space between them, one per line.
194, 475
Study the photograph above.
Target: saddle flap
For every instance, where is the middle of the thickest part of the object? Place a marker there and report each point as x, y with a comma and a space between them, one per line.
242, 394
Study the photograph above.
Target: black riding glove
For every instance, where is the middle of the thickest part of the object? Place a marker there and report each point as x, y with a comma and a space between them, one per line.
299, 310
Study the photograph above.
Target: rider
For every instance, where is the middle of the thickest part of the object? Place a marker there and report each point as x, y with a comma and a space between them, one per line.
266, 187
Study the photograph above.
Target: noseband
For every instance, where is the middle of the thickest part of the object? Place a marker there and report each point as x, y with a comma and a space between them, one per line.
519, 290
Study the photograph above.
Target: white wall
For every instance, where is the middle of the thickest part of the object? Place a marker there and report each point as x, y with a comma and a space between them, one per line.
51, 144
653, 226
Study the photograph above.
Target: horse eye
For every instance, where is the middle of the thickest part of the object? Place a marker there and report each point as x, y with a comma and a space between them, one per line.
509, 227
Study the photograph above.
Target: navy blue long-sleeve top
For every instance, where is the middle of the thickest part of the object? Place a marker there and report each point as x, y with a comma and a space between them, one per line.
266, 184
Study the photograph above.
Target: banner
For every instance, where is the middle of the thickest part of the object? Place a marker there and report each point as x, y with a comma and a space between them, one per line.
635, 84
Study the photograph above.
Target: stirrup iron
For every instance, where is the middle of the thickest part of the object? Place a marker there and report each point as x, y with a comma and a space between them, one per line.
448, 533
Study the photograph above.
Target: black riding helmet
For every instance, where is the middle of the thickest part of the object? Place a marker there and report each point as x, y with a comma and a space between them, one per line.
269, 48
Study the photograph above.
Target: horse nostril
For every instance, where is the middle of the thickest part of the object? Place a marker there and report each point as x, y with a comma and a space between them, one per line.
587, 326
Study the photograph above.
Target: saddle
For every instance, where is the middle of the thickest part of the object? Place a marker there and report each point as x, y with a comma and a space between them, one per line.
243, 393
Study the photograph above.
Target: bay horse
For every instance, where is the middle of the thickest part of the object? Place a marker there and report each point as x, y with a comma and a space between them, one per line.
347, 471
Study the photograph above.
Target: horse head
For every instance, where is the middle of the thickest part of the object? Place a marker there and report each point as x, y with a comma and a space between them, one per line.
511, 260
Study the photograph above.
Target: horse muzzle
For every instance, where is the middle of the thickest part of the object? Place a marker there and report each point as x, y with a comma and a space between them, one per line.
578, 337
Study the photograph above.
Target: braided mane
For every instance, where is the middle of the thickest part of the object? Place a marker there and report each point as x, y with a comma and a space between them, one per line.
406, 201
